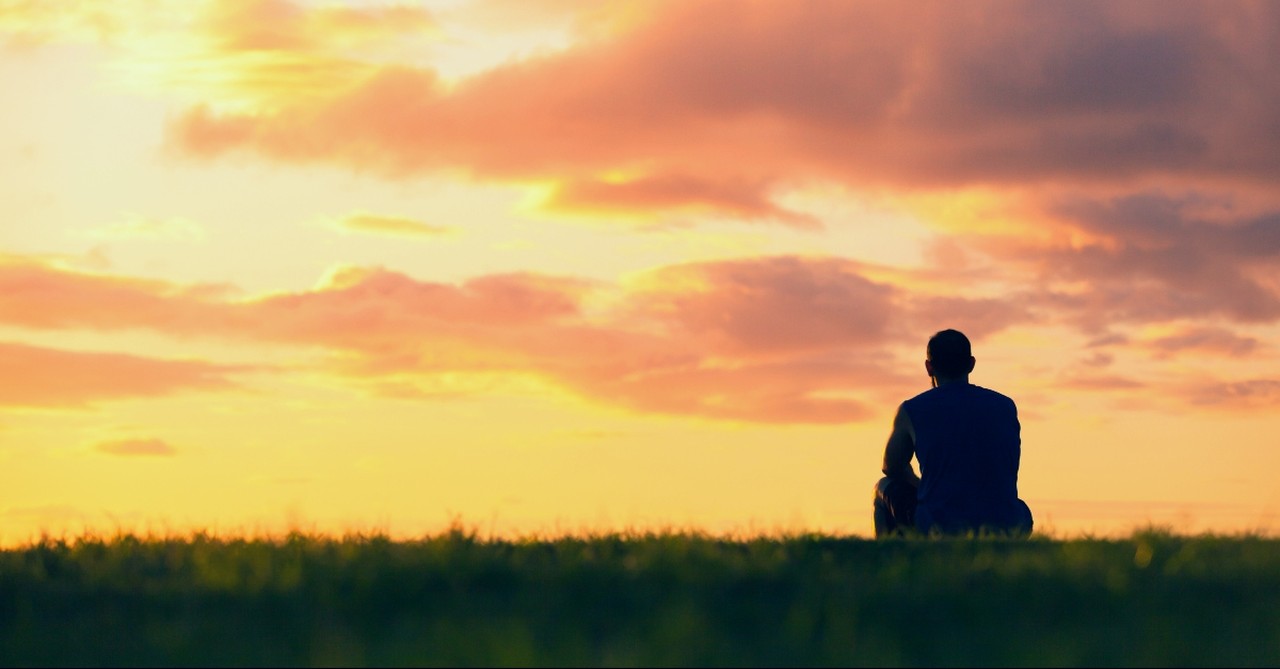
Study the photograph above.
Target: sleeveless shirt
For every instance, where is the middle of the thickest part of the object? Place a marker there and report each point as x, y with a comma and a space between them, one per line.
968, 443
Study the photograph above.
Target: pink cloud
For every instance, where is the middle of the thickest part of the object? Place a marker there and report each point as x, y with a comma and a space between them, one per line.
794, 390
784, 339
376, 310
771, 339
35, 295
672, 193
44, 377
1147, 258
1079, 110
1205, 340
768, 305
1249, 394
976, 317
937, 94
1094, 382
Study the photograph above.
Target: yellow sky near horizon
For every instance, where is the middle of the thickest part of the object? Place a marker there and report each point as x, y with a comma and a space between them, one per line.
272, 264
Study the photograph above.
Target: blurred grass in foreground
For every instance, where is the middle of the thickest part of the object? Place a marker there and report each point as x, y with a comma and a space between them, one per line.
642, 598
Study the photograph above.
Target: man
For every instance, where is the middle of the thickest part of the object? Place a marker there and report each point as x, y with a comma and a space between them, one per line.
967, 440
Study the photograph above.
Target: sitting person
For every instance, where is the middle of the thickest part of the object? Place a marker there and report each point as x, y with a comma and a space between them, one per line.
967, 440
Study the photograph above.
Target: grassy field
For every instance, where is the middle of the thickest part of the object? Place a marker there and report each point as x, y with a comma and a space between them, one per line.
664, 599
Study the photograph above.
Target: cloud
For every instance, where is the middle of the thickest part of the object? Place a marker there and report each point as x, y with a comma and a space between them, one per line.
1098, 360
768, 340
45, 377
775, 339
803, 339
640, 197
766, 305
1094, 382
702, 111
239, 54
30, 23
141, 227
135, 447
391, 225
977, 317
35, 294
279, 25
796, 390
1248, 394
1142, 258
1204, 340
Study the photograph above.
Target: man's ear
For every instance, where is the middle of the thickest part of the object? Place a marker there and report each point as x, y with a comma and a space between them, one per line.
972, 361
928, 367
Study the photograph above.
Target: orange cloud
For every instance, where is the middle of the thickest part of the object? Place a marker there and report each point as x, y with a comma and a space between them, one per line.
133, 447
704, 110
36, 295
686, 112
773, 339
43, 377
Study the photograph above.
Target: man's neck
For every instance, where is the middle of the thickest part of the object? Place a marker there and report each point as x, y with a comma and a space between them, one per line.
952, 380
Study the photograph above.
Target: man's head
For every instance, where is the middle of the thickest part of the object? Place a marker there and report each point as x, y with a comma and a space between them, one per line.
948, 355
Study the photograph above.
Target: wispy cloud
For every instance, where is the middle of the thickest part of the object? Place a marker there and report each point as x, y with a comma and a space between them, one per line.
391, 225
135, 226
1202, 340
239, 54
1103, 382
1245, 395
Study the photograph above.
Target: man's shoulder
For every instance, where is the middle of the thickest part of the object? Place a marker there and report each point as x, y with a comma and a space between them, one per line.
980, 393
918, 396
991, 393
996, 398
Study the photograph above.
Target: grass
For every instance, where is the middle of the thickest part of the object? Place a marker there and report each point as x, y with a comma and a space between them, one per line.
650, 599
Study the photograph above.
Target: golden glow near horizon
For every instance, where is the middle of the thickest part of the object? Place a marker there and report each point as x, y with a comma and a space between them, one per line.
552, 266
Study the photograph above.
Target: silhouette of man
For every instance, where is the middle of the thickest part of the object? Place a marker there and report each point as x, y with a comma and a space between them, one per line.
967, 441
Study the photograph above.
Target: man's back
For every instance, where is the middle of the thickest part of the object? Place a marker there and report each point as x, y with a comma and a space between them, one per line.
968, 444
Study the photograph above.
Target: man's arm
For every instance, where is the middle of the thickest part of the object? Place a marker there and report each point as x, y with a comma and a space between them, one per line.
901, 446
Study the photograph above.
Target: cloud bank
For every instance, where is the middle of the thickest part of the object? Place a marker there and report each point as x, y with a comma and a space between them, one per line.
775, 339
719, 105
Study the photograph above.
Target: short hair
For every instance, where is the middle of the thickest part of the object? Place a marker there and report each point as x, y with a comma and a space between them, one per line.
949, 352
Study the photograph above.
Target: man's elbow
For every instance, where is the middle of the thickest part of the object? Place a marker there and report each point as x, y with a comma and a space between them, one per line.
897, 471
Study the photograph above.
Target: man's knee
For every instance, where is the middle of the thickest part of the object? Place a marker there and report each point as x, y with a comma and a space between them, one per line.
1025, 520
881, 492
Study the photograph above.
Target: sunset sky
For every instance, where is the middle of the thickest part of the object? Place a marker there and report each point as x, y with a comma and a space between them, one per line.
555, 265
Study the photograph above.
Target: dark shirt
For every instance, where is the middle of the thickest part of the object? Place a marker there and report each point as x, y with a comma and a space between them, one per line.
968, 444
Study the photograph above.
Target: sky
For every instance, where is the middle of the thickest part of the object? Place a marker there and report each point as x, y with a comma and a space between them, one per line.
554, 266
